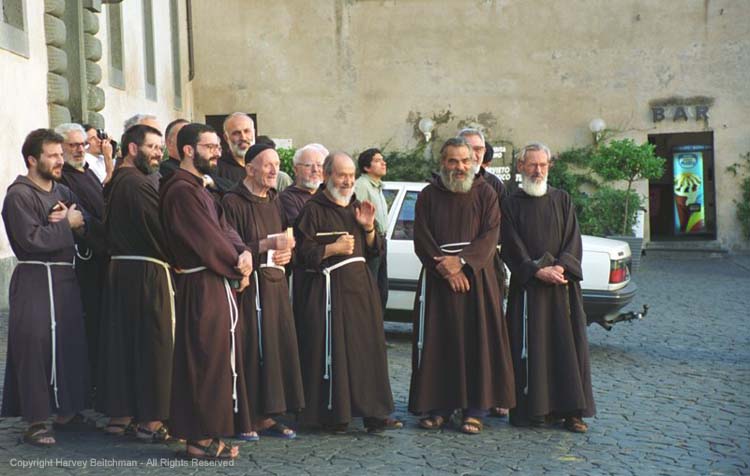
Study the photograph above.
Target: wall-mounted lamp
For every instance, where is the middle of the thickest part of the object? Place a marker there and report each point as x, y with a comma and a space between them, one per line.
597, 127
426, 125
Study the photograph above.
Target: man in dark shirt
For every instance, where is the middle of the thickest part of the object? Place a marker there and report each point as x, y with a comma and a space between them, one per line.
167, 167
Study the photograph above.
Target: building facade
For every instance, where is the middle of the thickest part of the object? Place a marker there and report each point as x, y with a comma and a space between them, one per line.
359, 73
86, 61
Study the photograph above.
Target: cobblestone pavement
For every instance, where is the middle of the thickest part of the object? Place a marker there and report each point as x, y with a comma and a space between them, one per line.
672, 395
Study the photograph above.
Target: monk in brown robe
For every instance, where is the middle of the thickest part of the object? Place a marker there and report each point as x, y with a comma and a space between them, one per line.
91, 255
483, 153
343, 356
46, 369
209, 399
308, 175
137, 323
542, 247
274, 380
461, 354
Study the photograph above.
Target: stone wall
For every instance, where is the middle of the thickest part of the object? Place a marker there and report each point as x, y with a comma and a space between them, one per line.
357, 73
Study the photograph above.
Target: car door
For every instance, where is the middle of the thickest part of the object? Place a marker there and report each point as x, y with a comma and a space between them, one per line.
403, 264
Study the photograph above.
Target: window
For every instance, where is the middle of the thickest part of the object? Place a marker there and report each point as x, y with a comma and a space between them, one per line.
116, 67
390, 196
174, 20
13, 27
149, 57
404, 229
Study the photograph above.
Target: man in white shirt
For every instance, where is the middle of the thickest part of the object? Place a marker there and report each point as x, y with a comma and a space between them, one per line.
99, 153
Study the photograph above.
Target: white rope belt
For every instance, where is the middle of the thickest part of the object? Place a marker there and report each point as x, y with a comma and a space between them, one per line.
328, 366
525, 349
86, 256
53, 321
446, 248
259, 308
234, 317
169, 279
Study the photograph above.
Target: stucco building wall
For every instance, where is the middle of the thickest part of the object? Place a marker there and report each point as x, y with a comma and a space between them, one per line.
24, 86
357, 73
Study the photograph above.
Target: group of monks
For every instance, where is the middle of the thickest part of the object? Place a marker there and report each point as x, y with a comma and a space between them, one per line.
189, 298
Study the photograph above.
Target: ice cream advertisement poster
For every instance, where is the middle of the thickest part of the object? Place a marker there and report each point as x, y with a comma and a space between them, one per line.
689, 213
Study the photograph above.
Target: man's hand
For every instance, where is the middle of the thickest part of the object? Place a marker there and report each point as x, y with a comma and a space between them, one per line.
283, 241
75, 217
448, 265
244, 283
552, 275
245, 263
282, 257
365, 215
345, 245
459, 283
60, 211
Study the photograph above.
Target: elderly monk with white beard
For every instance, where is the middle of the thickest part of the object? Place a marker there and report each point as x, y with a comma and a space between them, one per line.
342, 344
547, 325
461, 355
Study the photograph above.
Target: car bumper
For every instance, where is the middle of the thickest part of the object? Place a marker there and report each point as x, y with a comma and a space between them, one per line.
600, 304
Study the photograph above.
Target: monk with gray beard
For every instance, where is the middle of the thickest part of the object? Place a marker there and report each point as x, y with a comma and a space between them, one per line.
547, 324
342, 343
461, 353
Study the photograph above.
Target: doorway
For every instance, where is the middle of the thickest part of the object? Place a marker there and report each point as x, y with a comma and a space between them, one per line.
682, 202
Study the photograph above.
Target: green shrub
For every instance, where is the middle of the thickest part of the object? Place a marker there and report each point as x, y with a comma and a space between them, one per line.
625, 160
410, 165
603, 211
743, 205
287, 160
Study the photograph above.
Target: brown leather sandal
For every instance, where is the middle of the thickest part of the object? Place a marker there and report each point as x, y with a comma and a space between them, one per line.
38, 432
471, 426
432, 423
212, 451
576, 425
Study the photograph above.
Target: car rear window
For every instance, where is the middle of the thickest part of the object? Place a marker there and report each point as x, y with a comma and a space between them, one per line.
404, 229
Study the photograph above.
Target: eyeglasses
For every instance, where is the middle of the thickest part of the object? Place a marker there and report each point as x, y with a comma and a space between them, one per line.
76, 145
308, 166
212, 147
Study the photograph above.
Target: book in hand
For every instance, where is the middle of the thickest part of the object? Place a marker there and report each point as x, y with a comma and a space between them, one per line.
288, 233
328, 237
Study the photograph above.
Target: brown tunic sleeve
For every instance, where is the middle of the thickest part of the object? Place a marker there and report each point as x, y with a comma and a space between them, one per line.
190, 220
309, 251
571, 250
514, 252
29, 232
479, 253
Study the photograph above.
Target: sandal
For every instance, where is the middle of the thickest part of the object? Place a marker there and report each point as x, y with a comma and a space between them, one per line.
279, 430
432, 423
120, 429
471, 426
159, 435
36, 433
249, 436
378, 425
576, 425
212, 451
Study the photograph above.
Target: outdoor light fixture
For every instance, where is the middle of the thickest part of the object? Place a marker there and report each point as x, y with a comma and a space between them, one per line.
597, 127
425, 127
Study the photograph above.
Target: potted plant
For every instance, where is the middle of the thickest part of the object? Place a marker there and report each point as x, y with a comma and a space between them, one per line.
624, 160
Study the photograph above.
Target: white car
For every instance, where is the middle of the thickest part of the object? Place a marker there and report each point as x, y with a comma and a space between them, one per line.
606, 287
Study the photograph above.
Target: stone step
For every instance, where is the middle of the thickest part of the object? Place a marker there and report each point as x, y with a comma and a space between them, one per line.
691, 248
